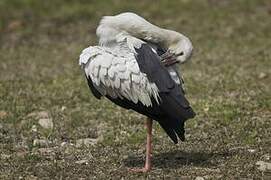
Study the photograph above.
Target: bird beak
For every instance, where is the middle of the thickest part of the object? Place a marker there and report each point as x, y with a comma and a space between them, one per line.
169, 58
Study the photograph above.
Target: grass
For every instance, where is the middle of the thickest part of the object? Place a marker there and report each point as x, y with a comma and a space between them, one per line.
228, 84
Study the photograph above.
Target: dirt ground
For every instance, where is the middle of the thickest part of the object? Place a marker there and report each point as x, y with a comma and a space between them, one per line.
51, 127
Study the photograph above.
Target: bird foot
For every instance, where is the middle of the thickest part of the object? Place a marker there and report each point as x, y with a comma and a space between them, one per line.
139, 170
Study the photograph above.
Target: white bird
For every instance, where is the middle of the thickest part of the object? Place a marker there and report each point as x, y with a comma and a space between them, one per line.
134, 67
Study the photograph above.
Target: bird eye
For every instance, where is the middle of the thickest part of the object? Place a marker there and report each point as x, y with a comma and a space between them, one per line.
180, 54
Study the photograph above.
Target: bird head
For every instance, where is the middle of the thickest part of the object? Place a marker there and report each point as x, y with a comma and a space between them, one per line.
181, 49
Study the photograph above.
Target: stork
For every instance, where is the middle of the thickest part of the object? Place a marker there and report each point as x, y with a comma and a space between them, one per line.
134, 66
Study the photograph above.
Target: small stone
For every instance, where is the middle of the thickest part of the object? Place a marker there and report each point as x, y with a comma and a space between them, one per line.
46, 123
86, 142
199, 178
63, 108
266, 157
262, 75
206, 109
263, 166
125, 157
34, 128
41, 142
251, 150
39, 115
3, 114
21, 154
83, 161
63, 144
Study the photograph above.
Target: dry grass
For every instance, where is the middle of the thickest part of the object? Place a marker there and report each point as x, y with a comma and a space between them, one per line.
228, 83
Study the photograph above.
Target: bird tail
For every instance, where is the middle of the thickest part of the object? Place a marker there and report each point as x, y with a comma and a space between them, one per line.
174, 129
178, 111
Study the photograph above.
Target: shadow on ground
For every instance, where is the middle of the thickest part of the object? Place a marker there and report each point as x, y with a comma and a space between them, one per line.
177, 159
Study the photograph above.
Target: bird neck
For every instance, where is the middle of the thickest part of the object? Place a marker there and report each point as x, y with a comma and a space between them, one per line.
157, 35
136, 26
169, 37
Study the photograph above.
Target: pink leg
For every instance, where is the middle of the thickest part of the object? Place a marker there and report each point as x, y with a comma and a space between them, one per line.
147, 166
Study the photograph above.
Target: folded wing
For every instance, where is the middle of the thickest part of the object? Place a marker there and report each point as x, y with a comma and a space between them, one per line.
116, 73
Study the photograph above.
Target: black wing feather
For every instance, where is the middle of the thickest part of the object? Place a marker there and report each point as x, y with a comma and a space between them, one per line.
173, 102
94, 91
150, 64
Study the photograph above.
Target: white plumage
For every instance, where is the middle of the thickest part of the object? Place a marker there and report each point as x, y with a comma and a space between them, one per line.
112, 65
115, 72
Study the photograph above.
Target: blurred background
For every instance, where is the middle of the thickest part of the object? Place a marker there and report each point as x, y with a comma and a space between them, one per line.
52, 127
